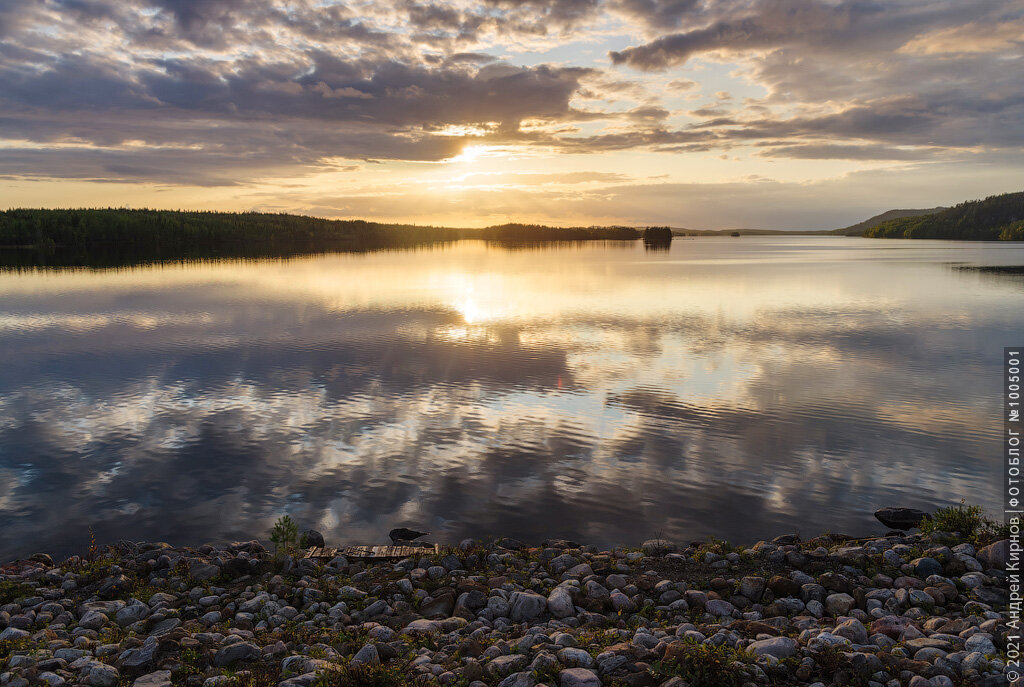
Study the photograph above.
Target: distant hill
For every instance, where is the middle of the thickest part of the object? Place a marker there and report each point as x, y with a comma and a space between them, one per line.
994, 218
859, 228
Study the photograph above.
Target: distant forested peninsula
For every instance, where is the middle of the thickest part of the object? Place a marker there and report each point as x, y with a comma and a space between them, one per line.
121, 236
996, 218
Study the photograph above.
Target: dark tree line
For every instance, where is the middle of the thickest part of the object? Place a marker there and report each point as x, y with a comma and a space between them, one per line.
992, 219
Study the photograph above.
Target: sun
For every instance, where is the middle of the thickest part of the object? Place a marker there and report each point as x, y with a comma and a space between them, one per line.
470, 154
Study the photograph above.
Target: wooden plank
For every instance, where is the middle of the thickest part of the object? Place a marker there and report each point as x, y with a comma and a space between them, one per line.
372, 552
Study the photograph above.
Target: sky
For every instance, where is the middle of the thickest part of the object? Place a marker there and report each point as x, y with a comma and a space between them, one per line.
773, 114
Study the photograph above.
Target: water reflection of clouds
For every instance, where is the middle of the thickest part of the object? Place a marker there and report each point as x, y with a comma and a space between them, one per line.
603, 425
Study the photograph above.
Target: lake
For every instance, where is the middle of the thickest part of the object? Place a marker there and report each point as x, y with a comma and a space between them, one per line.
731, 387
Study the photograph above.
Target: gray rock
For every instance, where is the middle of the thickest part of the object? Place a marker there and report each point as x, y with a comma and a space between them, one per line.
981, 644
163, 627
779, 647
925, 566
575, 658
839, 604
559, 603
102, 675
752, 587
13, 633
203, 571
995, 555
853, 630
140, 658
161, 678
526, 606
132, 614
368, 654
719, 607
504, 665
92, 620
51, 679
578, 677
242, 651
521, 679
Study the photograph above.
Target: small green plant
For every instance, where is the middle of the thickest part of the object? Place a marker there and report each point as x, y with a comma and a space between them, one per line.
703, 665
968, 520
367, 675
11, 590
284, 534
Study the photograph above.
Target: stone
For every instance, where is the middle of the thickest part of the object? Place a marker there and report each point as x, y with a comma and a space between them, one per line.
525, 678
891, 626
203, 571
853, 630
719, 607
752, 587
52, 679
621, 602
140, 658
526, 606
925, 566
839, 604
368, 654
573, 657
13, 633
161, 678
132, 613
102, 675
995, 555
92, 620
779, 647
560, 603
981, 644
504, 665
114, 587
235, 653
578, 677
901, 518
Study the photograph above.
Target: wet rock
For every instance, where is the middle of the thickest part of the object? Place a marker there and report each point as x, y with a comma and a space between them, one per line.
900, 518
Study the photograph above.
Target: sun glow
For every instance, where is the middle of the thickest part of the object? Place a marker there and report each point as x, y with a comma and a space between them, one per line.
471, 154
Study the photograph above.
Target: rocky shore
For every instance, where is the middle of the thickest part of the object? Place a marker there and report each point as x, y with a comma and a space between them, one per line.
923, 611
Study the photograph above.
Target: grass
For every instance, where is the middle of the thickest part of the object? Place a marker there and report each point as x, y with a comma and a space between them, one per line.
368, 675
703, 665
10, 591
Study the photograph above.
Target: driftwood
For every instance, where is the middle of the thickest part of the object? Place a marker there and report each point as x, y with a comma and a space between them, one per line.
372, 552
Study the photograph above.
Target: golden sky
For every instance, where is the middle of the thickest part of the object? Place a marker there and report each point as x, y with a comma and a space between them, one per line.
802, 114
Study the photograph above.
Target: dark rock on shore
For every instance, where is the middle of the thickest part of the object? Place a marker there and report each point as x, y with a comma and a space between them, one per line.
901, 518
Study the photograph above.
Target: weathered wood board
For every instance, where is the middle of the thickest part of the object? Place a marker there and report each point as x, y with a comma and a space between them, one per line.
371, 552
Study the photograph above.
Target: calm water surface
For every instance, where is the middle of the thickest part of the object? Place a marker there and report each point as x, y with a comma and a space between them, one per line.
739, 388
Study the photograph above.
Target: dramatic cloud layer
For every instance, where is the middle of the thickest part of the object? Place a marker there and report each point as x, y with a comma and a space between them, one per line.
234, 95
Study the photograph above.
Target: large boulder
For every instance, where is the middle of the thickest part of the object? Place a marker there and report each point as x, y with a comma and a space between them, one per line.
779, 647
901, 518
527, 606
995, 555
